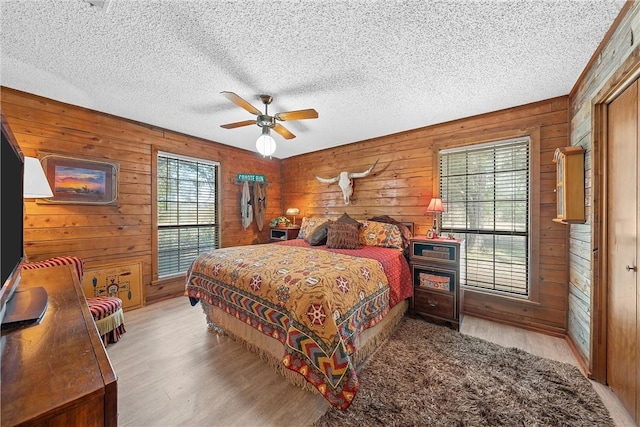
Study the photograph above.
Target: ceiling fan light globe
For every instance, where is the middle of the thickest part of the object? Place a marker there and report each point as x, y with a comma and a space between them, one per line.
266, 145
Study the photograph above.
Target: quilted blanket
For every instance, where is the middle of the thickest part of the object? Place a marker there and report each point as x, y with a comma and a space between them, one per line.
314, 302
395, 266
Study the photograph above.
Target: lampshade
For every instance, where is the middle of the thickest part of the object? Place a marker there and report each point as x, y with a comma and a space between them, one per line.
265, 143
293, 211
35, 182
435, 205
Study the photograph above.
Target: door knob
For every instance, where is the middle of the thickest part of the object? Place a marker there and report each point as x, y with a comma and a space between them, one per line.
631, 268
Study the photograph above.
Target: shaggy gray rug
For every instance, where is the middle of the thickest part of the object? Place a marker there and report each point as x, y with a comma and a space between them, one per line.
429, 375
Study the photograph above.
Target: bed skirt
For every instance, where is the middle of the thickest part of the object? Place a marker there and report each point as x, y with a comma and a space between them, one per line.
271, 350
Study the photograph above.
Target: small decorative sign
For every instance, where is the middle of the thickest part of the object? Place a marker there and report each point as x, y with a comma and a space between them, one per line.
251, 177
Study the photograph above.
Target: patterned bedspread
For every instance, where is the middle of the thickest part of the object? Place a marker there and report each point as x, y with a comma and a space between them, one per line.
393, 262
315, 302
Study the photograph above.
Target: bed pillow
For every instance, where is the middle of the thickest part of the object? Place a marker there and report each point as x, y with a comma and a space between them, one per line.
319, 235
373, 233
309, 224
341, 235
407, 233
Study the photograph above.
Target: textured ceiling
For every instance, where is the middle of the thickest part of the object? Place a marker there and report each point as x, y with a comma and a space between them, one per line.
370, 68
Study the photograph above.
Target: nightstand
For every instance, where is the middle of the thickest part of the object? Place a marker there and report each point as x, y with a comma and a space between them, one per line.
435, 270
280, 234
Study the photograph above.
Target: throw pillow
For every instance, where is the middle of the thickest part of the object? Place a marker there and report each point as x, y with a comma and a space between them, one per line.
341, 235
375, 233
319, 235
309, 224
345, 218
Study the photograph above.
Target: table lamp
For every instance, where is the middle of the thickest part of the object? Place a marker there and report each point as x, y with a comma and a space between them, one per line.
435, 207
35, 181
294, 212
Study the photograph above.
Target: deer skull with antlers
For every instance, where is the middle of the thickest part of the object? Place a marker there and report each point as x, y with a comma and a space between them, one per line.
345, 181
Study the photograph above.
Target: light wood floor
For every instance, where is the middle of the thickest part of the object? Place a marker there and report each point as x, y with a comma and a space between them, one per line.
173, 372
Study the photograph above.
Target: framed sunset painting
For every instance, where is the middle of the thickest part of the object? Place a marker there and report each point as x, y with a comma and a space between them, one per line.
81, 181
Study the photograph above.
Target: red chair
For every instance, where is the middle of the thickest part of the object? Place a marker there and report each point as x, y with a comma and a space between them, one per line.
106, 311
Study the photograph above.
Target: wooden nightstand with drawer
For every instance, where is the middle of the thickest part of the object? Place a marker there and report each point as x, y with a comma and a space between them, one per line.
435, 269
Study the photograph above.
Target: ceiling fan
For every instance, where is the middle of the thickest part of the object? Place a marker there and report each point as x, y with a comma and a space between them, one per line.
265, 121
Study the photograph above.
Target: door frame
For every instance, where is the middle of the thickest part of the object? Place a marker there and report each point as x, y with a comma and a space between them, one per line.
627, 73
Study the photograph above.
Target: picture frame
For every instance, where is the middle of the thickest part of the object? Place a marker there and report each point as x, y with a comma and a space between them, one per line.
80, 181
431, 234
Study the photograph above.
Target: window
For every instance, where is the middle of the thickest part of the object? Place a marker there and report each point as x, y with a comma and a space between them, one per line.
187, 209
486, 193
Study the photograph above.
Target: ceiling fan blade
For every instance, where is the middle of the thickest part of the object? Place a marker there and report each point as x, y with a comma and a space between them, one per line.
241, 102
297, 115
283, 131
238, 124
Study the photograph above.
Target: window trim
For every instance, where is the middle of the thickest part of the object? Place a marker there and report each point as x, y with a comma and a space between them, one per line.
156, 281
535, 232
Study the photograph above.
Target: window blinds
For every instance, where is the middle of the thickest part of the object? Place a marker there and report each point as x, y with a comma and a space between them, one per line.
187, 209
486, 193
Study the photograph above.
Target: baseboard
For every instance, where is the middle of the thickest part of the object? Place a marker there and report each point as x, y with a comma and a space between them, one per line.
582, 362
535, 328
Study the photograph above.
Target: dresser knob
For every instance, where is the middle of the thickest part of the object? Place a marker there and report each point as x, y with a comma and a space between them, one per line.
432, 302
631, 268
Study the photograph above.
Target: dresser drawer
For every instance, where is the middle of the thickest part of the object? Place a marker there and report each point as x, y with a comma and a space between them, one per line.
441, 304
441, 251
434, 277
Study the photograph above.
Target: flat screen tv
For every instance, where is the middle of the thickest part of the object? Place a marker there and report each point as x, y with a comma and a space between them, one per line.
22, 306
12, 207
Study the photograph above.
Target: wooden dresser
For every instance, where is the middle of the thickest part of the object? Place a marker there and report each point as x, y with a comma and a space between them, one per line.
57, 373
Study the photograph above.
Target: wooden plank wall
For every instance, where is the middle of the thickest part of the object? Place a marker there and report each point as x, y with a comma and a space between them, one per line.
401, 186
403, 183
102, 234
582, 247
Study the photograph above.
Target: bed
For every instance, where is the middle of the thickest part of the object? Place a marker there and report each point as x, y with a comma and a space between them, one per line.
312, 312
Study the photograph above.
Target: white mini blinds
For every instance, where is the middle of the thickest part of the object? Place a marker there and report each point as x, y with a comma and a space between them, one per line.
187, 210
486, 192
